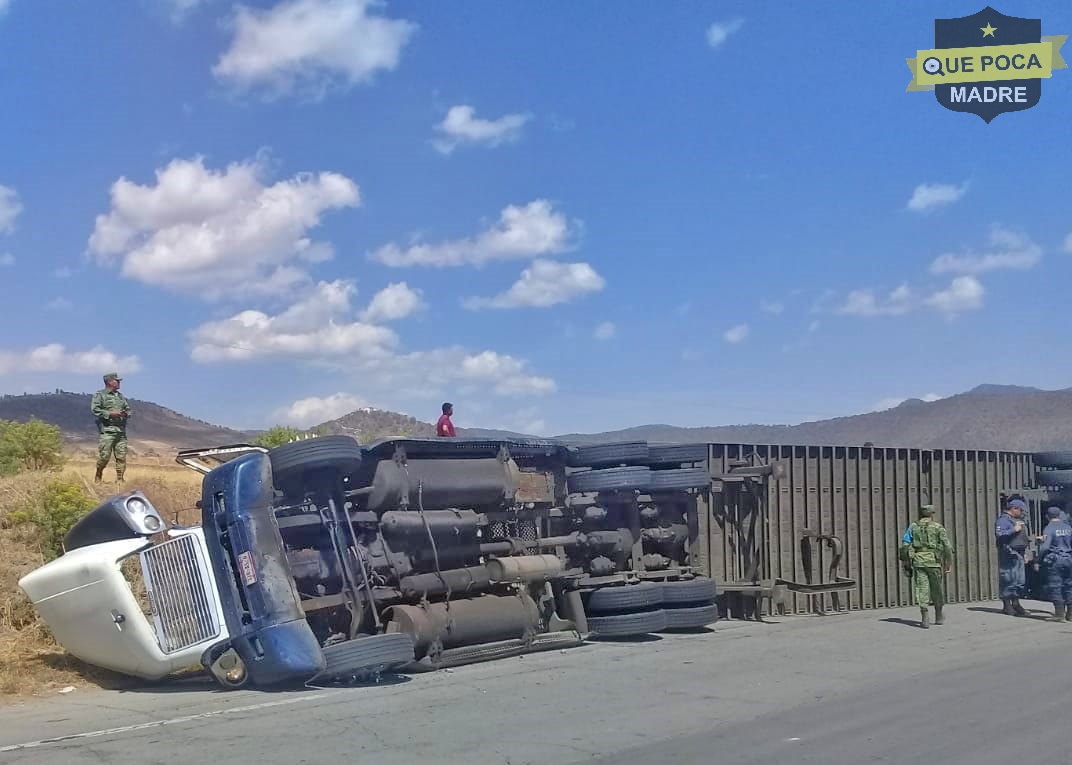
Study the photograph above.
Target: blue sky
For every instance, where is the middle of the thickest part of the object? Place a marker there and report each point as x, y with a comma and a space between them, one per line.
560, 216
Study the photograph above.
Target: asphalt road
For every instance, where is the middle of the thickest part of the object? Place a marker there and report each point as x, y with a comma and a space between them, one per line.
851, 688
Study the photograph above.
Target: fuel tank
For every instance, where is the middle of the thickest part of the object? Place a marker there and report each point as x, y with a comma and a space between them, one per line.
466, 622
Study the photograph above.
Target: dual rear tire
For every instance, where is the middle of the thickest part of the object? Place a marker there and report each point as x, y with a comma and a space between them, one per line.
647, 607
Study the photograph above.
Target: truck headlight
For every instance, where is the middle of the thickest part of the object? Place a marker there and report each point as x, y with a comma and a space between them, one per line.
142, 514
123, 516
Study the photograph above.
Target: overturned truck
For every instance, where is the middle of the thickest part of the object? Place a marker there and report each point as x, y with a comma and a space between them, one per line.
325, 560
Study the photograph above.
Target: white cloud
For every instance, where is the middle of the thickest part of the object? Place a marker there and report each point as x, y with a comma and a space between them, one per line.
928, 196
772, 307
444, 373
10, 209
736, 334
55, 358
505, 372
7, 260
59, 304
890, 403
4, 5
543, 284
965, 293
462, 127
311, 44
317, 326
393, 302
218, 233
521, 232
1007, 250
719, 32
864, 302
63, 272
306, 412
605, 330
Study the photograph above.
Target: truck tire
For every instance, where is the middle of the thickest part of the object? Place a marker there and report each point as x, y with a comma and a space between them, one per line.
1058, 459
610, 479
675, 454
367, 656
1055, 477
291, 461
691, 617
623, 625
700, 590
680, 478
600, 455
628, 597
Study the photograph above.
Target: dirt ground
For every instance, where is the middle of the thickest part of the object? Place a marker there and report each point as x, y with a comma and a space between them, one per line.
31, 663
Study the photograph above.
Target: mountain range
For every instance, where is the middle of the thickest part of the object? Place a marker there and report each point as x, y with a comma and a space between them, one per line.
1001, 417
152, 428
998, 417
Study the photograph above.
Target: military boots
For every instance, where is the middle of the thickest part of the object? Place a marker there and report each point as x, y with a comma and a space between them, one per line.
939, 617
1058, 612
1017, 608
99, 475
925, 620
1006, 606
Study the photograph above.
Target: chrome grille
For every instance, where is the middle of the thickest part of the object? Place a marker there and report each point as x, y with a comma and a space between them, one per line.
183, 604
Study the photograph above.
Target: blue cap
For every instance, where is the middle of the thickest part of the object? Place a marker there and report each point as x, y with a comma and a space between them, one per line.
1053, 512
1017, 503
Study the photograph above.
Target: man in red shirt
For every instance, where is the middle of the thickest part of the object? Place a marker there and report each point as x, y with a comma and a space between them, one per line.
445, 427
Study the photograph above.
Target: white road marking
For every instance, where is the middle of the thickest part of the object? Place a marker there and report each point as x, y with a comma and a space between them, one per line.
159, 723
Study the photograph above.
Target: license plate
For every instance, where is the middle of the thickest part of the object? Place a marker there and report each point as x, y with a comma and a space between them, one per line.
249, 573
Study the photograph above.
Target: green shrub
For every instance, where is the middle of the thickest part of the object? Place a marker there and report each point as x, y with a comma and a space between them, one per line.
33, 445
52, 511
283, 434
9, 455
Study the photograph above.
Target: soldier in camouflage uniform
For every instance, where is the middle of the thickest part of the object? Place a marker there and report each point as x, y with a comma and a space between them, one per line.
927, 549
111, 410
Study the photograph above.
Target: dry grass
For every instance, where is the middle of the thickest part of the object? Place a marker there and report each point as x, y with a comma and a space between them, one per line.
31, 663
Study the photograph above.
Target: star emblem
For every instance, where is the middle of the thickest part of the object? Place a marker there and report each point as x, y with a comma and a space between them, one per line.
988, 31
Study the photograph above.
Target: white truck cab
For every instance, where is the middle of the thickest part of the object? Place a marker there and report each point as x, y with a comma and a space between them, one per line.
131, 605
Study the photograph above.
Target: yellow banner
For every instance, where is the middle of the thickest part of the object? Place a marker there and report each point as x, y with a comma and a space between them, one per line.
989, 63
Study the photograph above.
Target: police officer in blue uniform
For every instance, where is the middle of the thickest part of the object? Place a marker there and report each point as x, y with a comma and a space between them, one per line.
1055, 552
1011, 536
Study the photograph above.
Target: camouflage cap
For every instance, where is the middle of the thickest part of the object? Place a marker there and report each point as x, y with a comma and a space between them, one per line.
926, 510
113, 376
